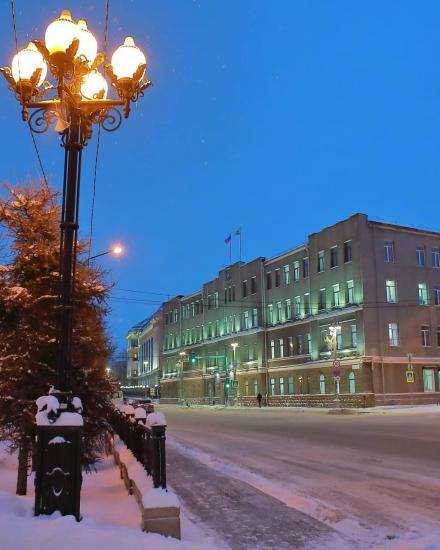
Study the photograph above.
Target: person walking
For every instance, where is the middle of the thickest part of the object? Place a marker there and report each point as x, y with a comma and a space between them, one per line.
259, 398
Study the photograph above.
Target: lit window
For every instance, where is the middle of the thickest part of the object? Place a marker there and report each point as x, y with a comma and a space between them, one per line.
245, 320
291, 385
336, 296
351, 382
270, 319
435, 257
281, 343
255, 387
282, 391
353, 336
388, 250
288, 308
393, 334
423, 294
286, 271
290, 344
272, 386
308, 343
322, 383
279, 312
297, 310
272, 349
437, 295
255, 317
428, 380
350, 292
296, 271
391, 292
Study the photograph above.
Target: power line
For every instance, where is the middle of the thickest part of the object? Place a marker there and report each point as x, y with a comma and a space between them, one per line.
97, 142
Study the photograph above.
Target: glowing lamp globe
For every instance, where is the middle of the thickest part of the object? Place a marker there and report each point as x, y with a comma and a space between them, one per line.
26, 62
88, 46
127, 58
61, 33
93, 86
117, 249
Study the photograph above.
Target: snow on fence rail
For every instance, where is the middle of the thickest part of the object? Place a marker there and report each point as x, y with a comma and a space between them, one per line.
144, 435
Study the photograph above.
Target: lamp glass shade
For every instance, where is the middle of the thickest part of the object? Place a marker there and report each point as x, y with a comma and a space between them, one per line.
60, 33
93, 84
127, 58
26, 62
88, 46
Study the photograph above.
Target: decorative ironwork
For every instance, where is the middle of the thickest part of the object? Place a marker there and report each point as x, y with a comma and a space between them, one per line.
41, 119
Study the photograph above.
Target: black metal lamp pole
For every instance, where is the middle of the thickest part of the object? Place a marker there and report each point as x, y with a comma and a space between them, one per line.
77, 102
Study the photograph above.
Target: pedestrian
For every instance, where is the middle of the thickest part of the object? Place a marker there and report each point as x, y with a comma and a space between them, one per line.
259, 398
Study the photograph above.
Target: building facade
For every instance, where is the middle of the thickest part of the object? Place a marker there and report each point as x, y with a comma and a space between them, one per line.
350, 317
144, 348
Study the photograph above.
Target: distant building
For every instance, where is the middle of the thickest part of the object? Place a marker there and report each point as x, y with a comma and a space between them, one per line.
144, 346
352, 315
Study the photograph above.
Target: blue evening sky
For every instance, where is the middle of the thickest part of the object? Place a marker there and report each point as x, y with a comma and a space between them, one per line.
281, 117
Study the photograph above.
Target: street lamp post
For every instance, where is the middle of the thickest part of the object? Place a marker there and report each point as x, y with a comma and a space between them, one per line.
75, 102
117, 250
234, 346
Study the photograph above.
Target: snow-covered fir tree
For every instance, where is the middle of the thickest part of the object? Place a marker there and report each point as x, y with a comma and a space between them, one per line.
29, 283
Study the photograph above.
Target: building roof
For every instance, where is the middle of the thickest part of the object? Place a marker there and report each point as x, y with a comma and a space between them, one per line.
139, 327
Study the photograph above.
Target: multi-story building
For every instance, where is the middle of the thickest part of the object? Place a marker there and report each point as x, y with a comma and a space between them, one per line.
144, 347
352, 315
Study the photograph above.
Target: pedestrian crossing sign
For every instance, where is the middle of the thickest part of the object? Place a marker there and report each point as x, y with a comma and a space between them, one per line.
410, 376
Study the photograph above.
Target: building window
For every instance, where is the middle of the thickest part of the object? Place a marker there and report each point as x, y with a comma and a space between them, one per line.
321, 383
435, 257
272, 349
391, 292
255, 317
334, 256
272, 386
428, 380
425, 333
270, 319
393, 334
269, 280
305, 268
233, 293
279, 312
437, 295
438, 337
246, 387
350, 292
353, 336
290, 345
281, 343
277, 277
291, 385
297, 307
245, 320
282, 392
253, 285
296, 271
347, 251
423, 294
321, 261
420, 256
336, 296
255, 386
351, 382
308, 343
286, 272
306, 303
388, 251
322, 299
244, 289
216, 301
288, 312
299, 344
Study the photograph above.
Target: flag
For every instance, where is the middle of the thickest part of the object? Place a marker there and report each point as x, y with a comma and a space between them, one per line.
238, 232
228, 239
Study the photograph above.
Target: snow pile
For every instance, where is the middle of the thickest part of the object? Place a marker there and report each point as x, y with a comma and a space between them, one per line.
140, 413
58, 440
128, 409
48, 412
135, 470
160, 498
156, 419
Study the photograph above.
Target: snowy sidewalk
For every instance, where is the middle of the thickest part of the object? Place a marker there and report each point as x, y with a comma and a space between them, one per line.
111, 518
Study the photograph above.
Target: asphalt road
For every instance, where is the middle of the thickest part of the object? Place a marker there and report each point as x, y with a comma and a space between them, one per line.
373, 478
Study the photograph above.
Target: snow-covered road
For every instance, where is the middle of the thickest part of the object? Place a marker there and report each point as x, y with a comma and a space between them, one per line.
374, 478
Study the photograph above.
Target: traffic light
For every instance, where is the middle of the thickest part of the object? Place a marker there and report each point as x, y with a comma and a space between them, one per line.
227, 384
193, 357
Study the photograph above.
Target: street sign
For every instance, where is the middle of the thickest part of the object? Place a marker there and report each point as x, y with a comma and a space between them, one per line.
235, 383
336, 363
410, 376
336, 371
